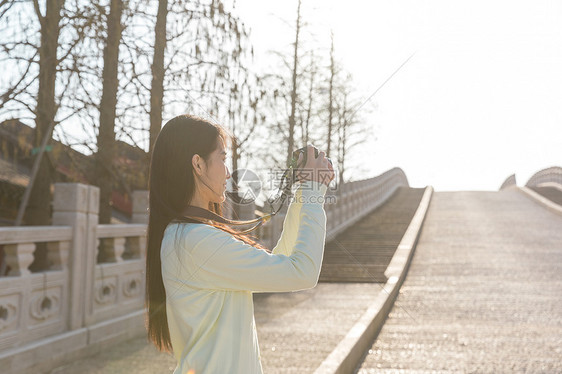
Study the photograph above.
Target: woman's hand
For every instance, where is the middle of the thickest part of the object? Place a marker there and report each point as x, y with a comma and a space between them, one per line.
318, 169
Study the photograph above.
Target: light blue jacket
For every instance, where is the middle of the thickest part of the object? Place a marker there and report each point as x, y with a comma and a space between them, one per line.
209, 277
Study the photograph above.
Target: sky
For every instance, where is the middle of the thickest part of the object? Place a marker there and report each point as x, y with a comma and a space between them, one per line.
480, 99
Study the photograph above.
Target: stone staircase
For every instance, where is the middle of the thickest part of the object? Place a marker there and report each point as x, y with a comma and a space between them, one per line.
551, 193
362, 252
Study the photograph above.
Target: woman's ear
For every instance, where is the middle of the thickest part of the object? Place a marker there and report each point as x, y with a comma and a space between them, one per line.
196, 162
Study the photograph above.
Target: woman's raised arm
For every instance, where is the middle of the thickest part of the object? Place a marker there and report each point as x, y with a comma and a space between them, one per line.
217, 260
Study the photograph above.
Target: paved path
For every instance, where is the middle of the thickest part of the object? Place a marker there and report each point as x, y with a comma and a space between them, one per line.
484, 291
296, 332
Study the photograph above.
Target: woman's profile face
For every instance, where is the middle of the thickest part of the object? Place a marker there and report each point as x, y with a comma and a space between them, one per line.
217, 174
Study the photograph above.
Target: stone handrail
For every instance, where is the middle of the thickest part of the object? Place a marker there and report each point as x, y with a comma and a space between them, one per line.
89, 290
357, 199
119, 280
508, 182
42, 295
554, 185
344, 205
548, 175
12, 235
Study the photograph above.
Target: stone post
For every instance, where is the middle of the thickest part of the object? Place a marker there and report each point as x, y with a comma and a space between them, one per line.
140, 207
137, 245
76, 205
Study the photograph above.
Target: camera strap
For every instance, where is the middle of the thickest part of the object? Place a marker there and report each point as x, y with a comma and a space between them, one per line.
197, 214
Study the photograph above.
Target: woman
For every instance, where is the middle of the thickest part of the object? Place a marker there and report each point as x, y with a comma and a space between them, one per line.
200, 277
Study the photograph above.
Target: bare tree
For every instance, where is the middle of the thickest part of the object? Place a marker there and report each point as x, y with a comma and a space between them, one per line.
39, 52
292, 86
344, 123
247, 112
158, 71
38, 211
205, 42
290, 144
333, 72
352, 128
311, 89
33, 91
243, 112
106, 135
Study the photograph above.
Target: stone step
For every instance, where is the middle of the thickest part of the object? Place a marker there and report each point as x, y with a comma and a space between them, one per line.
353, 273
362, 252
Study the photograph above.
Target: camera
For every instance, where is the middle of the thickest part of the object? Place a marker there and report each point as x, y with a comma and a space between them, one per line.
294, 159
296, 155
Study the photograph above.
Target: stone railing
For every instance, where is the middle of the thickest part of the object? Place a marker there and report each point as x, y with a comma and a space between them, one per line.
35, 305
90, 290
508, 182
118, 286
356, 199
549, 175
344, 205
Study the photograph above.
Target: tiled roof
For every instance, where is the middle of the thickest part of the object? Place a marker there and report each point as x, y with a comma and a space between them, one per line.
9, 172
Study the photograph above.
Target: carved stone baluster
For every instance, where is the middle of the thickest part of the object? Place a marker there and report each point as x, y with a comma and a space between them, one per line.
112, 249
57, 253
136, 246
18, 257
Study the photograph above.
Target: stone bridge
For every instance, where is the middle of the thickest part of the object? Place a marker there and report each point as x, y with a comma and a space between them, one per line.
412, 281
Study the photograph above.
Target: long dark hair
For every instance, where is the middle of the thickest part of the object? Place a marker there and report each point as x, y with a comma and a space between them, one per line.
171, 188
